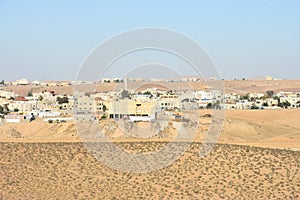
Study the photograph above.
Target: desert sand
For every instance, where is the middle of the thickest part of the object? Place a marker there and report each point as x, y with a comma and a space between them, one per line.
69, 171
257, 157
261, 128
237, 86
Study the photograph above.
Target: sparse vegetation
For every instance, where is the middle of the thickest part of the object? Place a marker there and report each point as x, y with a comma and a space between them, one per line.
270, 93
62, 100
1, 110
69, 171
245, 97
284, 104
4, 109
41, 98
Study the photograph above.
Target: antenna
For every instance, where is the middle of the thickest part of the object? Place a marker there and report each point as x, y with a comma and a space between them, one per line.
125, 83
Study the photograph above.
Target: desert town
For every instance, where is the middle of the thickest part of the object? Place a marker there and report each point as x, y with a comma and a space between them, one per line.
259, 143
149, 100
143, 105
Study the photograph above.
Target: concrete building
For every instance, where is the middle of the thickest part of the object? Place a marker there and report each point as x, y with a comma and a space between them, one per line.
256, 95
66, 108
48, 113
36, 83
50, 95
22, 105
7, 94
84, 104
127, 107
292, 99
167, 102
13, 118
21, 82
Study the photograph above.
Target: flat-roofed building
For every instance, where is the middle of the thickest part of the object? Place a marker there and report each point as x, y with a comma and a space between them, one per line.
127, 107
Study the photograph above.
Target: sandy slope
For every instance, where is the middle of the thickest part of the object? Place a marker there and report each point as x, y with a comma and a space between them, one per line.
48, 163
69, 171
38, 131
229, 85
266, 128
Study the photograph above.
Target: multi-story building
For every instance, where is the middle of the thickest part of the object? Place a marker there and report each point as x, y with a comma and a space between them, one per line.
22, 105
7, 94
127, 107
167, 102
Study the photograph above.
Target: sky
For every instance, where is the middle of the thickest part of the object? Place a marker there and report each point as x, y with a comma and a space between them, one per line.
49, 40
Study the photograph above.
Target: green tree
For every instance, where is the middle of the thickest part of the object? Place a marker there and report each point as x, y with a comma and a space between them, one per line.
254, 106
284, 104
1, 110
16, 110
245, 97
62, 100
4, 109
147, 92
276, 98
270, 93
209, 106
263, 97
104, 108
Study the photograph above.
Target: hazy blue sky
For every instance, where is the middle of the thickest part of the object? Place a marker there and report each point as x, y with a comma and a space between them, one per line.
49, 40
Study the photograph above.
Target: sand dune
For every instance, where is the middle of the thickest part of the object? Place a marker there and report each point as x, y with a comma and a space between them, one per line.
69, 171
265, 128
39, 160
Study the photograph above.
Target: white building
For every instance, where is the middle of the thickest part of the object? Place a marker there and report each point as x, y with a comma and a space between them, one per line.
292, 99
48, 113
7, 94
21, 82
36, 83
256, 95
167, 102
13, 118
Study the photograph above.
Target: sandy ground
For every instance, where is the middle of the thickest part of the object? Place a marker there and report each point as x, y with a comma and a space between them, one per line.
263, 128
252, 160
259, 86
69, 171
